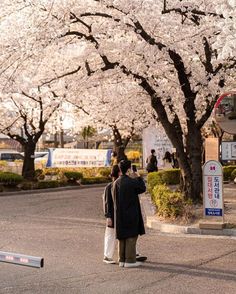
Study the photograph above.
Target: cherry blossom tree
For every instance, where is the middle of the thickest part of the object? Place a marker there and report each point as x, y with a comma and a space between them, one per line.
34, 70
181, 53
25, 117
118, 105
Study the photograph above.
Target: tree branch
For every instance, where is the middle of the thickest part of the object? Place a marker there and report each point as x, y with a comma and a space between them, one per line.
61, 76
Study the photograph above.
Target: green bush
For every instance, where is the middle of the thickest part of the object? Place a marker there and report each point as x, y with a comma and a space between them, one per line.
94, 180
170, 204
104, 172
227, 171
171, 176
73, 176
39, 174
28, 185
168, 177
153, 179
47, 184
86, 171
233, 174
52, 171
10, 179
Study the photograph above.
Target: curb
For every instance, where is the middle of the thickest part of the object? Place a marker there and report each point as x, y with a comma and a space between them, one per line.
153, 223
60, 189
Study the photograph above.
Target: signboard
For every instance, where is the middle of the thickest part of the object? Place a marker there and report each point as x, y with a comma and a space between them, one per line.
155, 138
21, 259
228, 150
211, 149
213, 189
65, 157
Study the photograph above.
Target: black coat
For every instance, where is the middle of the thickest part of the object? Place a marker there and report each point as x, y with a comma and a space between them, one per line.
128, 216
108, 206
151, 164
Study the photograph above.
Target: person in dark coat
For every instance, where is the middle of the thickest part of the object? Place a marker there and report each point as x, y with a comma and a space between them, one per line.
152, 162
128, 217
108, 208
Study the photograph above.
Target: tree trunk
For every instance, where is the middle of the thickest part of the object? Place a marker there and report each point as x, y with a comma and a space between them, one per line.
56, 143
28, 170
189, 154
190, 162
97, 144
120, 151
62, 139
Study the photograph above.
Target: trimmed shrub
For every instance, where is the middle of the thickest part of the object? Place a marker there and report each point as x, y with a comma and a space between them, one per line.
73, 176
233, 174
52, 171
39, 174
86, 171
170, 204
153, 179
27, 185
171, 176
168, 177
10, 179
227, 171
104, 172
47, 184
94, 180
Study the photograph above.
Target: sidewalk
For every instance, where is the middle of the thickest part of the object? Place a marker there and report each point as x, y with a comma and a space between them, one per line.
152, 220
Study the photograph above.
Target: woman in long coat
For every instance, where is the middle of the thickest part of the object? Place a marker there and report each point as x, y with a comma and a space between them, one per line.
128, 217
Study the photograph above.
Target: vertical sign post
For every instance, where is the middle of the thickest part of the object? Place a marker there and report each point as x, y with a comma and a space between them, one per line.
213, 203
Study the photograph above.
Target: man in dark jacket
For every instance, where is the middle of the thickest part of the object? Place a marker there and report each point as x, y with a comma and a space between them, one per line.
128, 217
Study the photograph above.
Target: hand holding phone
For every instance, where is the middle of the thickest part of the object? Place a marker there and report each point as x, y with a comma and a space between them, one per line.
134, 168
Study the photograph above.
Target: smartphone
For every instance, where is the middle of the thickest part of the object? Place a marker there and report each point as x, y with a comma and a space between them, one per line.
134, 168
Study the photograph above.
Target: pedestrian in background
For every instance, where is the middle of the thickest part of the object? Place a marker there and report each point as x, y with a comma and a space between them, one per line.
167, 160
152, 162
127, 211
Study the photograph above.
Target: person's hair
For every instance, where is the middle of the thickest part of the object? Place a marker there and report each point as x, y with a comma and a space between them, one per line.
153, 151
167, 156
115, 171
124, 165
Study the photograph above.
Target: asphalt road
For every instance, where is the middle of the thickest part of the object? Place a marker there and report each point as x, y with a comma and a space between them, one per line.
67, 228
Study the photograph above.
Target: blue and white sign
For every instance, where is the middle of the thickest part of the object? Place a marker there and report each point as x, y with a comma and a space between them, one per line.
65, 157
213, 189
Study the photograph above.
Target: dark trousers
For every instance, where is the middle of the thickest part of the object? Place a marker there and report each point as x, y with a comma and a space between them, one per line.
127, 250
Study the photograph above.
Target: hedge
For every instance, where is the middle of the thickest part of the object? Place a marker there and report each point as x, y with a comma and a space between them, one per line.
233, 174
10, 179
168, 177
73, 176
47, 184
86, 171
227, 171
170, 204
94, 180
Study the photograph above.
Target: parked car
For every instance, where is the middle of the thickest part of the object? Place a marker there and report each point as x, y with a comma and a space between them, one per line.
10, 155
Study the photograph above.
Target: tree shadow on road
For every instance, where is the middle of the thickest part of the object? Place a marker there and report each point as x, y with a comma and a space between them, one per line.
197, 271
